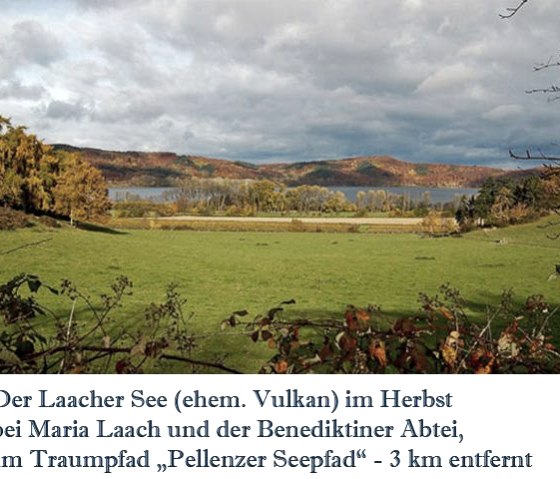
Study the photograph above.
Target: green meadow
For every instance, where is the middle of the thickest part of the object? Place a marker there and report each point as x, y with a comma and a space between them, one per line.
221, 272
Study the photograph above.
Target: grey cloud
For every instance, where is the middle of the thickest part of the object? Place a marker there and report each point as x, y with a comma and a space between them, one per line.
434, 80
28, 42
65, 111
34, 43
17, 90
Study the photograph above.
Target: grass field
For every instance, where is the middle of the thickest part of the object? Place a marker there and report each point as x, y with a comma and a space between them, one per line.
220, 272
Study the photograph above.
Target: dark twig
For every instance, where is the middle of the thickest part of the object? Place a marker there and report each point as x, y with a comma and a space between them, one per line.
116, 350
513, 10
551, 89
548, 64
530, 156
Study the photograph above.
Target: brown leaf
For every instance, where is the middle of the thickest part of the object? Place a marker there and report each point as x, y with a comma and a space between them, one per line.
363, 315
325, 352
121, 367
446, 313
378, 352
481, 361
347, 343
351, 321
281, 366
404, 326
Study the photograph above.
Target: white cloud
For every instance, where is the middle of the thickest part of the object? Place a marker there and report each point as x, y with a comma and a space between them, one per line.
504, 112
448, 77
413, 4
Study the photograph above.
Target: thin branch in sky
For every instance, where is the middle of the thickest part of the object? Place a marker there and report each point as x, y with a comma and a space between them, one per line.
513, 10
531, 156
549, 64
550, 89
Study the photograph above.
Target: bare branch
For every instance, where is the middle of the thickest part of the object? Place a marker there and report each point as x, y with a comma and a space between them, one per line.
513, 10
127, 350
549, 64
198, 362
530, 156
551, 89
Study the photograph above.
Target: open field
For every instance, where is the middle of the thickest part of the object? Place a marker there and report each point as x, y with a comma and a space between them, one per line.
220, 272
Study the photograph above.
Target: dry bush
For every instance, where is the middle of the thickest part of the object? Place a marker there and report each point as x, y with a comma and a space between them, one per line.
12, 219
437, 225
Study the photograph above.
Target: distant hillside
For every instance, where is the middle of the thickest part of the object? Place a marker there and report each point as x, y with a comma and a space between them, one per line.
131, 168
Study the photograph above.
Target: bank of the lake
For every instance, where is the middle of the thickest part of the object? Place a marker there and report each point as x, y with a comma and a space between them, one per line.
414, 193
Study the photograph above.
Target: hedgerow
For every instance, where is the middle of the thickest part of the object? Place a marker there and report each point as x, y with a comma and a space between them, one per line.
439, 338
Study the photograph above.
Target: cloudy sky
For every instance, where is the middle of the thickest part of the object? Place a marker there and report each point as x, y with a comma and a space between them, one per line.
283, 80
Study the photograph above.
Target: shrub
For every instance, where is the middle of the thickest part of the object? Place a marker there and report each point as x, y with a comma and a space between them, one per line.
48, 221
90, 341
437, 225
438, 339
12, 219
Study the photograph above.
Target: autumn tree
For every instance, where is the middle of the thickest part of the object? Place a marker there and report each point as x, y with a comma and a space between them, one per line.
262, 195
27, 169
81, 192
37, 179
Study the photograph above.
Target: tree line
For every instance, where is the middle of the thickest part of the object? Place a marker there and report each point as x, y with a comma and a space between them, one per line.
249, 197
505, 201
36, 179
499, 201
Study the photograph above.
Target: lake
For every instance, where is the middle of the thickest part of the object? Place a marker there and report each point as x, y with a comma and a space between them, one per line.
159, 194
438, 195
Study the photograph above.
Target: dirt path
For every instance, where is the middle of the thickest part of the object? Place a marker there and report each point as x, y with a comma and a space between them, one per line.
346, 221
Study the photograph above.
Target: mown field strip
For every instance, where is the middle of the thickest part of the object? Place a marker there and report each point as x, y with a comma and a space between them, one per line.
346, 221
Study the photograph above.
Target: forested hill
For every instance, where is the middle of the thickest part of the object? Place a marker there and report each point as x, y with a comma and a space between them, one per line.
167, 169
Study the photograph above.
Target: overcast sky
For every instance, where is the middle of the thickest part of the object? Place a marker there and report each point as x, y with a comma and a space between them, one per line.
283, 80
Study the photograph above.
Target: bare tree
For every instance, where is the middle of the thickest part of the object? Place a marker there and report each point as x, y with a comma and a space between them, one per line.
553, 91
551, 176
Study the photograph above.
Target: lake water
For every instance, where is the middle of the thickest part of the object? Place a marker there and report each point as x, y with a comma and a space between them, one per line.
437, 195
159, 194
